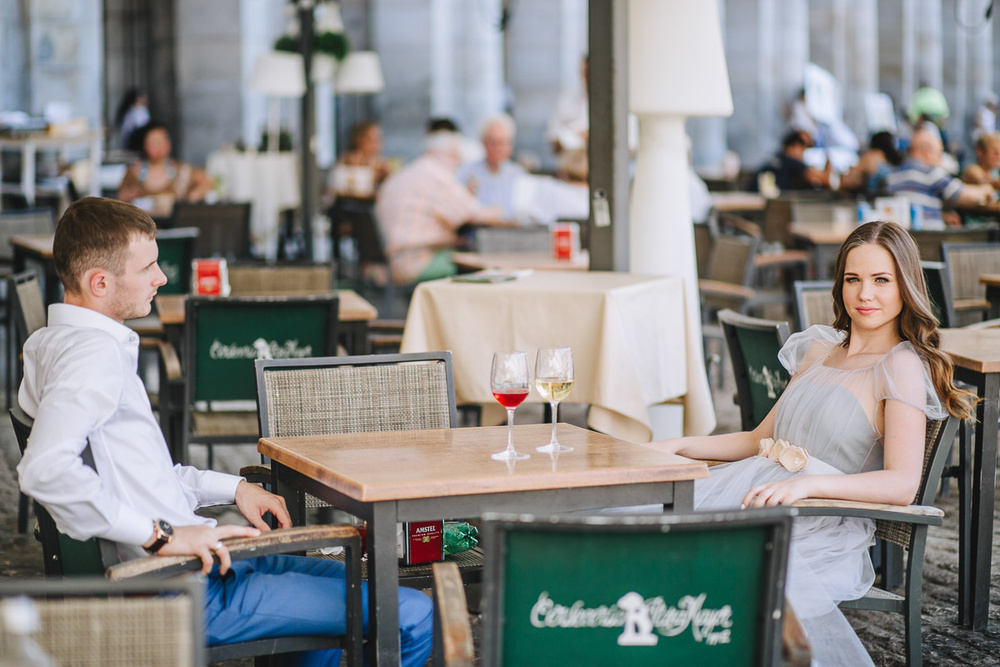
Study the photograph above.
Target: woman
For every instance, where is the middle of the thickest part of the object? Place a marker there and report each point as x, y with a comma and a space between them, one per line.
874, 165
364, 152
157, 181
857, 404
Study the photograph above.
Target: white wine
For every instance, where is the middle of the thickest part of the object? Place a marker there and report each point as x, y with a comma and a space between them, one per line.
554, 390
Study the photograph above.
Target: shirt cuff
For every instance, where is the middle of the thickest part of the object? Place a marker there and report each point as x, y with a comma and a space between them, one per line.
217, 488
130, 527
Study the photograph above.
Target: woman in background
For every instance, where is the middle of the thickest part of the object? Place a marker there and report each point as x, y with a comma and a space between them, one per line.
157, 181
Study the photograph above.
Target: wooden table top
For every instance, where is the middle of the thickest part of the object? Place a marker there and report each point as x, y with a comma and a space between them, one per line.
40, 244
737, 201
352, 308
403, 465
520, 260
821, 233
990, 279
977, 350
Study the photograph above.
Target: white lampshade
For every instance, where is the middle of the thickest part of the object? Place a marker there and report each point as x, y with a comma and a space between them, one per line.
676, 62
360, 72
279, 74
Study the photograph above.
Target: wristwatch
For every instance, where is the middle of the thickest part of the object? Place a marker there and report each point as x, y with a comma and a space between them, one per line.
163, 532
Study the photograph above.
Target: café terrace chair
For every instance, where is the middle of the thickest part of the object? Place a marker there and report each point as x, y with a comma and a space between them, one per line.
358, 394
223, 336
16, 223
223, 229
492, 240
28, 316
813, 303
939, 290
965, 262
65, 557
280, 279
733, 564
753, 346
929, 240
903, 526
772, 264
176, 247
93, 622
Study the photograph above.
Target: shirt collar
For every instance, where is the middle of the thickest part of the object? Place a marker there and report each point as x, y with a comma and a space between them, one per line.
64, 314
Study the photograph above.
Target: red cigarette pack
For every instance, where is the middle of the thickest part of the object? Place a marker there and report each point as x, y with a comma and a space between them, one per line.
423, 542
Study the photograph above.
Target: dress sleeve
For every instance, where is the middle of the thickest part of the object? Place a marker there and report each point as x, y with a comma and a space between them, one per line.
902, 376
802, 349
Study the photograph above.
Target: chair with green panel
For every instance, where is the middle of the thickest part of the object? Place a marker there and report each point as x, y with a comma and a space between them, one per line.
223, 337
675, 589
176, 252
753, 346
66, 557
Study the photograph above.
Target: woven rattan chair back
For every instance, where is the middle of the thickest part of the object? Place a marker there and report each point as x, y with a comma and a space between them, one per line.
360, 394
777, 220
247, 279
702, 247
813, 303
521, 239
965, 263
92, 622
929, 241
28, 303
939, 291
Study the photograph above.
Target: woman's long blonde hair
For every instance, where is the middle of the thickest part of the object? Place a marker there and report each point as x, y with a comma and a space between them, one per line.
916, 323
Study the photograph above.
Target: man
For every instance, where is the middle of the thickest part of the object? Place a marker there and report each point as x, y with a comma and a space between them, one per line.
790, 172
491, 180
926, 184
80, 385
420, 208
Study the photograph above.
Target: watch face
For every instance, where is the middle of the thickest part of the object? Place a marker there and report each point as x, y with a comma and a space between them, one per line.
167, 529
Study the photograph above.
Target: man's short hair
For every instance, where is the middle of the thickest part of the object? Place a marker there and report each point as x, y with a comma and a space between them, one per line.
795, 138
96, 232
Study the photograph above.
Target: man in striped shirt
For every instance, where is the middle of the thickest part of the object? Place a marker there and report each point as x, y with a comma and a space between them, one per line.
926, 184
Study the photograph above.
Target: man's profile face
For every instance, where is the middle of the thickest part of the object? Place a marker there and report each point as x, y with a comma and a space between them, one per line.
132, 292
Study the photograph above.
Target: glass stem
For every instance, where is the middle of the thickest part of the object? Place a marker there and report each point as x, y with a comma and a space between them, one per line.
555, 418
510, 429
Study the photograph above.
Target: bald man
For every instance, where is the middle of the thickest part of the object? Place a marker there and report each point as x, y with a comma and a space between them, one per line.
923, 181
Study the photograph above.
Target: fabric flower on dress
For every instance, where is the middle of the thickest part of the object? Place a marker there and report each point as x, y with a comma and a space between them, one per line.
787, 455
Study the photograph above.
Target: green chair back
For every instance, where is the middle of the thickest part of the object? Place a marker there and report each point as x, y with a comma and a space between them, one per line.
701, 589
226, 335
753, 346
176, 252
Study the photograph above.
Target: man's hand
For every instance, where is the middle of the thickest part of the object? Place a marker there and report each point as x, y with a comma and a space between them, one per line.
202, 541
254, 502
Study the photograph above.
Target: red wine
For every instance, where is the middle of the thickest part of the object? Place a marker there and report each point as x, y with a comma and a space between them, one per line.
510, 398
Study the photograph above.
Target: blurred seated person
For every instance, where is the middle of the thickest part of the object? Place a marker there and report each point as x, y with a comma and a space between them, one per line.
542, 200
987, 166
923, 181
157, 181
361, 170
874, 165
472, 150
790, 172
420, 208
491, 180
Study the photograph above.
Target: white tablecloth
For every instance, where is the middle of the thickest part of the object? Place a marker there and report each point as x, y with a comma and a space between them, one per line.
630, 348
269, 181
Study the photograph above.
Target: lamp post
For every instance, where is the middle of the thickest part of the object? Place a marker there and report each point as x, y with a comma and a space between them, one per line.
310, 187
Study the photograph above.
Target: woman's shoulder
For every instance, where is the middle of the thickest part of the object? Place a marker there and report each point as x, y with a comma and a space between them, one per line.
817, 334
805, 347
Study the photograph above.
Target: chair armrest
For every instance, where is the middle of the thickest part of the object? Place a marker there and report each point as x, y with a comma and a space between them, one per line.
259, 473
796, 648
171, 363
971, 304
783, 258
916, 514
452, 631
282, 540
720, 288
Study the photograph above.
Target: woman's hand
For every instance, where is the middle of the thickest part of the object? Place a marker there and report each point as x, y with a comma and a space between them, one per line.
784, 492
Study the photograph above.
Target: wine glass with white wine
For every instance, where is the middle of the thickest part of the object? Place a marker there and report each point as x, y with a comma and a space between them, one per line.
554, 381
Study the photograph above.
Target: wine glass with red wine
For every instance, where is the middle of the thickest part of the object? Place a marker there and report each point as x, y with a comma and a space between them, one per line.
509, 383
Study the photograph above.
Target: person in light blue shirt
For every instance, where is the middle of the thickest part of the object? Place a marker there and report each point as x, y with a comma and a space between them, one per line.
491, 180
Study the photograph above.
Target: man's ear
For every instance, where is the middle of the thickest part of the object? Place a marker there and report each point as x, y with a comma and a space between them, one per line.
96, 281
